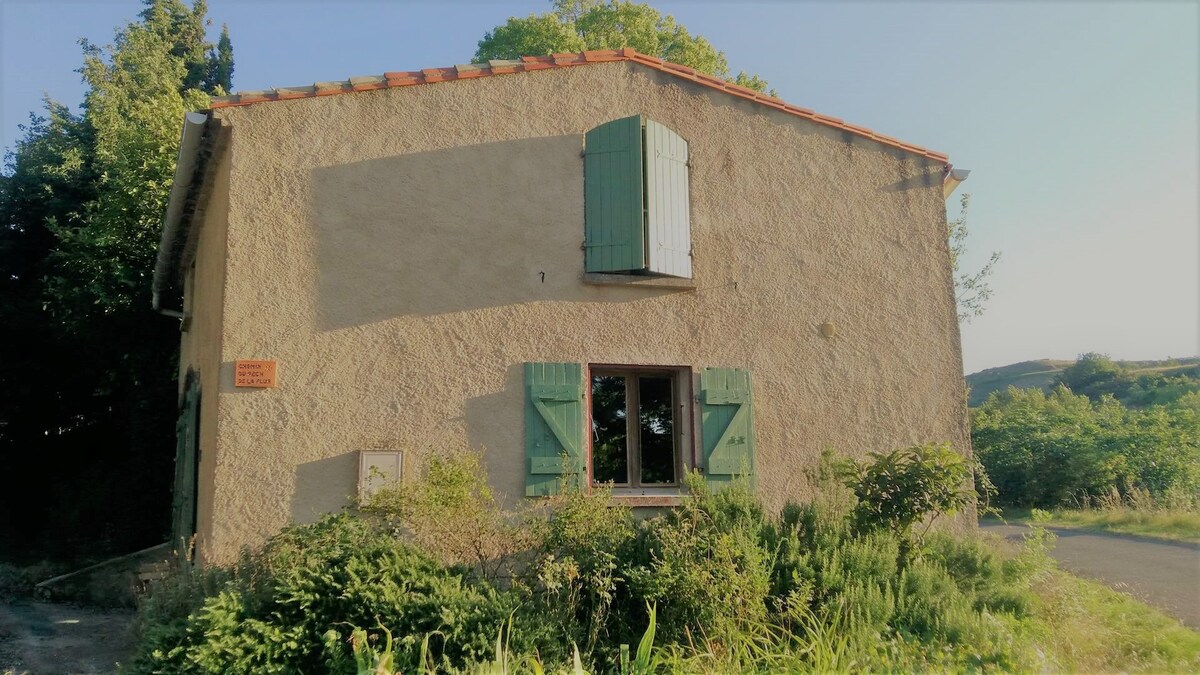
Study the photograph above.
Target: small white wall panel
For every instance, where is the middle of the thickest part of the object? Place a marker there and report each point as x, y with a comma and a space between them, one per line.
377, 469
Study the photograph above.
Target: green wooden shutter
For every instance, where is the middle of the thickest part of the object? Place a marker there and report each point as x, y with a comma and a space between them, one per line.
668, 215
614, 186
727, 424
554, 423
186, 459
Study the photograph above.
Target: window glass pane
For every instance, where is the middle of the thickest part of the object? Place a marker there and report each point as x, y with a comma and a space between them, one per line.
610, 463
657, 429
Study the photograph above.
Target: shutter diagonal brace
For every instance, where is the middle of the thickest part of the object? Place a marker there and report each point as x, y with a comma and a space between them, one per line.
541, 394
738, 397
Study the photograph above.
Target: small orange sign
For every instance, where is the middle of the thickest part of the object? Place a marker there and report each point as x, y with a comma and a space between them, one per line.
260, 374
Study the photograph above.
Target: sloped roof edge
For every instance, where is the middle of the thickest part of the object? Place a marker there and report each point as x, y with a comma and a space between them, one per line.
532, 63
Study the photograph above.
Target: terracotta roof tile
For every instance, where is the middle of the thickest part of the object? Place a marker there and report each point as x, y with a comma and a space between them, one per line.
567, 60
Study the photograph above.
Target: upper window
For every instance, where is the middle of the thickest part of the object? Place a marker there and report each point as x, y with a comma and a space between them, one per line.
636, 213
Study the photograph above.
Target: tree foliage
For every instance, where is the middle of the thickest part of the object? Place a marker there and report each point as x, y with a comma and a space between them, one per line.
577, 25
86, 404
971, 289
133, 107
1057, 449
1096, 375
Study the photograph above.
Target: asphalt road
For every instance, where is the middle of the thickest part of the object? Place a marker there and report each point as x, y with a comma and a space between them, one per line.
1165, 574
43, 638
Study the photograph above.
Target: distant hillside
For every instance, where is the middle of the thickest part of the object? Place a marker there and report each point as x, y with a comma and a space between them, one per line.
1042, 374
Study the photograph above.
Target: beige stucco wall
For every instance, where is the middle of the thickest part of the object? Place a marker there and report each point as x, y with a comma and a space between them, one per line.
200, 346
388, 250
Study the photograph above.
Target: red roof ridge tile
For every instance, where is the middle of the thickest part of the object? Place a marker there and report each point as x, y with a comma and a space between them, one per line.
561, 60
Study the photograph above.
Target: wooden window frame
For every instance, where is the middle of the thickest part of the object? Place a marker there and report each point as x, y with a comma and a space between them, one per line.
682, 414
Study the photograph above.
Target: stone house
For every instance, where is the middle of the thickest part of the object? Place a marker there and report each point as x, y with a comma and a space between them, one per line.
597, 265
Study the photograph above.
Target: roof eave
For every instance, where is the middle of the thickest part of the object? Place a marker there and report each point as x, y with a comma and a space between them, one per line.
531, 63
186, 165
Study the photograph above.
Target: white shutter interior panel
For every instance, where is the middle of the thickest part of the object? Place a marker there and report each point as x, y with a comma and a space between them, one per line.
668, 215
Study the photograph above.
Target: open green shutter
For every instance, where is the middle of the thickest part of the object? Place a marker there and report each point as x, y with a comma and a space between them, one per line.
554, 423
727, 425
614, 224
668, 214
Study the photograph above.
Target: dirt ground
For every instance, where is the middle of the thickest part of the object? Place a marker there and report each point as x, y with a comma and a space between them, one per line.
49, 638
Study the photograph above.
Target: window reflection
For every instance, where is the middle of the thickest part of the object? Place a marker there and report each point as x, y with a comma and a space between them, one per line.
610, 463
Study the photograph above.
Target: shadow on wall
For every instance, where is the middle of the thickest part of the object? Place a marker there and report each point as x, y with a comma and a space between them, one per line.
496, 429
920, 181
452, 230
324, 486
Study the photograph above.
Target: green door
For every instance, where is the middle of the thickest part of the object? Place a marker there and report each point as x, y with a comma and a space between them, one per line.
187, 462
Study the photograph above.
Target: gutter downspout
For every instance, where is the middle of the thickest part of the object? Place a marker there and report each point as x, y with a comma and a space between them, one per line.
185, 172
953, 178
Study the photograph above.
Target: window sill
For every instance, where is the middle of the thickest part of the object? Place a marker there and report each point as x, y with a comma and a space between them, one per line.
635, 500
602, 279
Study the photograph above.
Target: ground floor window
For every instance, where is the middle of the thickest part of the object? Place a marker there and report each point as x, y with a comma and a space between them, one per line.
635, 426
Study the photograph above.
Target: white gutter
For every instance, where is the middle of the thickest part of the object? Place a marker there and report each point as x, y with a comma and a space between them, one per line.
185, 171
953, 178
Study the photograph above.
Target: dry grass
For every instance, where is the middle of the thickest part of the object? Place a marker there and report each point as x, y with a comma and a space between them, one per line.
1136, 512
1178, 525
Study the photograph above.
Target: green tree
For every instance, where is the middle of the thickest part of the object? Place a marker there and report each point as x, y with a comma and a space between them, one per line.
1093, 375
185, 28
87, 404
971, 289
221, 67
134, 105
576, 25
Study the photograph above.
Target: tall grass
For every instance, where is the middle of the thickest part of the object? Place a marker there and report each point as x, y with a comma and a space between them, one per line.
1083, 626
1173, 516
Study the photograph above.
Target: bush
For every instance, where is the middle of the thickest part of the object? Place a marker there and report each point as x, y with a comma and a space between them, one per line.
717, 585
898, 489
711, 542
584, 546
292, 607
1062, 449
451, 513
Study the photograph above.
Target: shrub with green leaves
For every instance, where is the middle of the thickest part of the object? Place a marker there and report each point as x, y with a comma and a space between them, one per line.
584, 544
715, 585
1062, 449
294, 606
710, 542
451, 513
899, 489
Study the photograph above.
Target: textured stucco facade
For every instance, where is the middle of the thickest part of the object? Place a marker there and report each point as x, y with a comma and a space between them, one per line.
200, 346
401, 253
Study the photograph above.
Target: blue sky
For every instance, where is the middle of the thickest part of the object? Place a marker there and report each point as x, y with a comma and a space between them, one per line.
1078, 120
